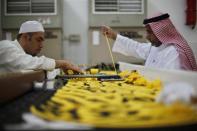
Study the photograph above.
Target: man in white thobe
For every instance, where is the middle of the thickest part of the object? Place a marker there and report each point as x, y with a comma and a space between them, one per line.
167, 48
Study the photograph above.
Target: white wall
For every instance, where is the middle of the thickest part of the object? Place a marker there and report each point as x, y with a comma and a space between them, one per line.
79, 21
75, 21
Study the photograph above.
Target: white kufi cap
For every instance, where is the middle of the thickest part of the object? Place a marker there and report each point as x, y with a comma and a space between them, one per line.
31, 26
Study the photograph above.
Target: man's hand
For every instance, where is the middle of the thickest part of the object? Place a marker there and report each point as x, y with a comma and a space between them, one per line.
65, 65
108, 32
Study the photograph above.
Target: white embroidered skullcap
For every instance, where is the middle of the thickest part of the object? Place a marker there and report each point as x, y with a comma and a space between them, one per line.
31, 26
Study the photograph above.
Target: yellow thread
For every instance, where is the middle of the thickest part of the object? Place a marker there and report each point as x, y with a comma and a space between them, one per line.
111, 53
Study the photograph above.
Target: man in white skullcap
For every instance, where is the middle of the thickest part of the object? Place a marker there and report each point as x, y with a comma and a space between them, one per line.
21, 54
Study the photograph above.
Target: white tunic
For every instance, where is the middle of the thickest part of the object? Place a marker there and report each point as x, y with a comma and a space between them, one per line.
13, 58
157, 57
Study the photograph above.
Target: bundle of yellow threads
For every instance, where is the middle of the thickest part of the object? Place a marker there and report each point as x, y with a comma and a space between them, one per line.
123, 104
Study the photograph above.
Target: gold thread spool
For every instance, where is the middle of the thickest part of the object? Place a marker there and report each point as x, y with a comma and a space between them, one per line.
94, 71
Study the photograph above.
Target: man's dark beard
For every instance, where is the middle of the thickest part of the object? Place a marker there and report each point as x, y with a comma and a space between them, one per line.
157, 44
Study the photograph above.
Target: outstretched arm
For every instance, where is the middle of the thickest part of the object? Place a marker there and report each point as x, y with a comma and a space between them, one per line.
126, 46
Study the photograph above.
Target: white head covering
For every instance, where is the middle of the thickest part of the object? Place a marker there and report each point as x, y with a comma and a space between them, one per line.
31, 26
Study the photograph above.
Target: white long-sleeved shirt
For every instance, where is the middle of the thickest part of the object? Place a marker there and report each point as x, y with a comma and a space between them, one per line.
157, 57
13, 58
